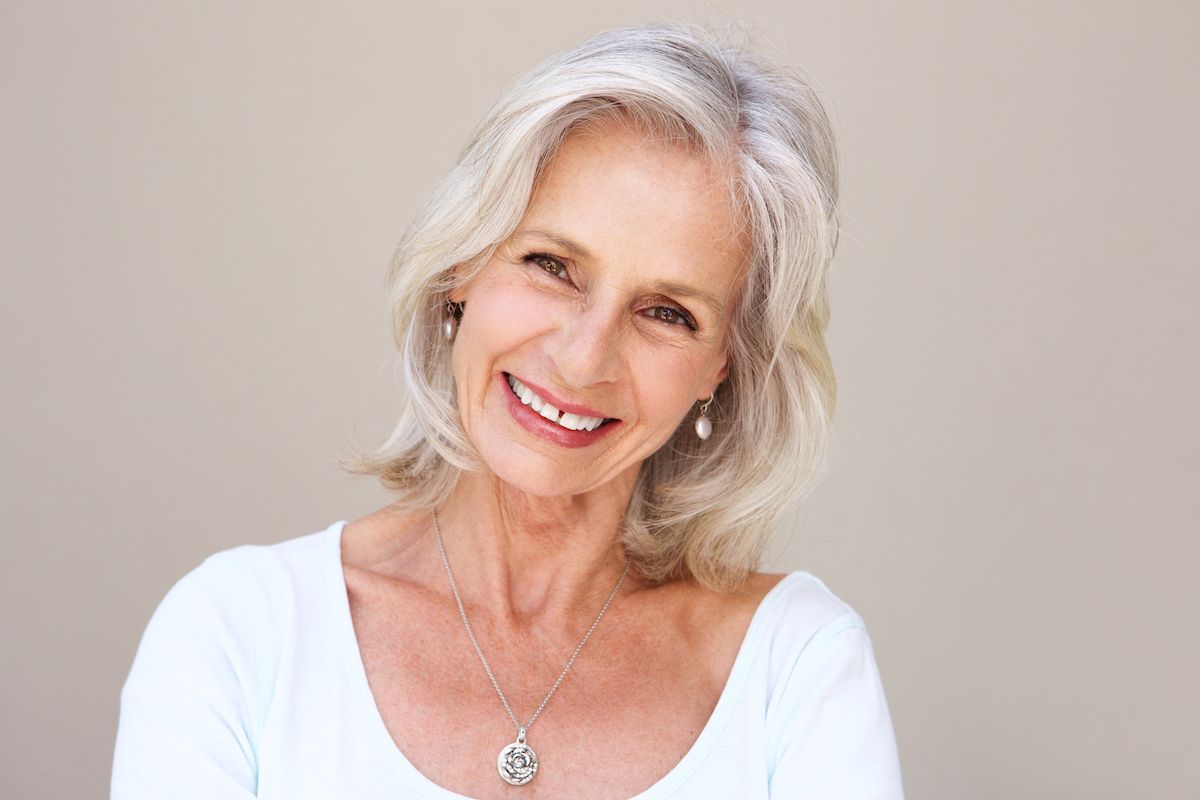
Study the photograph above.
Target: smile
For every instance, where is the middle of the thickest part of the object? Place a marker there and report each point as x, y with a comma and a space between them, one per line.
565, 419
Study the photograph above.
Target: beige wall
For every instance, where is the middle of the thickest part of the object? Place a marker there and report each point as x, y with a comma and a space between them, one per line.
199, 201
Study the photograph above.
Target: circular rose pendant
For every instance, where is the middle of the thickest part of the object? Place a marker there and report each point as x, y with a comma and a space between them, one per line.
517, 762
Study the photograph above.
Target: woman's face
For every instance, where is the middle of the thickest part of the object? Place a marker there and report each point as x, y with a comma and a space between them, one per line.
612, 300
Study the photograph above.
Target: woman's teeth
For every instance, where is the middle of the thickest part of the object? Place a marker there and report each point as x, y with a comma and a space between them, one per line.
574, 422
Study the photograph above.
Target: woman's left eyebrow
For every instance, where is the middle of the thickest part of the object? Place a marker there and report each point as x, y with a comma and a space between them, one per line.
683, 290
575, 248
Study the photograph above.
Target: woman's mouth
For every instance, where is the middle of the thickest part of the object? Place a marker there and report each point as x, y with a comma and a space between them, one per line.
539, 415
572, 422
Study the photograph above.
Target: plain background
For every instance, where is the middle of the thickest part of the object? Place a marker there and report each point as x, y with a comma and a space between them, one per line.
200, 200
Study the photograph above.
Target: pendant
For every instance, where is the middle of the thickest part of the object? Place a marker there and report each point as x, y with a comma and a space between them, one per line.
517, 762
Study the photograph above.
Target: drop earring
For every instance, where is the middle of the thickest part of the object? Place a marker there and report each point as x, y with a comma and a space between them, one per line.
454, 312
703, 423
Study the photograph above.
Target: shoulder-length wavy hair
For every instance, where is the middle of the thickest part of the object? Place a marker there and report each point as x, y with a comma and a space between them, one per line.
701, 509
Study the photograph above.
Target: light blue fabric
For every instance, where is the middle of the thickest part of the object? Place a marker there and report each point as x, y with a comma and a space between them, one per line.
249, 683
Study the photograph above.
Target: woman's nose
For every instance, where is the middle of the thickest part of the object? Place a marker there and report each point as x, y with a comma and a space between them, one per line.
586, 349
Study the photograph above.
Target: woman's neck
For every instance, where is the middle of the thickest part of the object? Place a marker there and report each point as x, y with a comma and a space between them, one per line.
529, 560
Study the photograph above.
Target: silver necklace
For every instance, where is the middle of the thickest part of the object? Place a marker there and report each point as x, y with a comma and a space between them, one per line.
517, 763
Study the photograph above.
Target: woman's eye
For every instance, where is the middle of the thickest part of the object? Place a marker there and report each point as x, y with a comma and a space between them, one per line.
673, 316
548, 264
555, 267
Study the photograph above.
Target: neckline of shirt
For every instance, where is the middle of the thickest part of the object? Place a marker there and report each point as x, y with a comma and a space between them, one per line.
386, 746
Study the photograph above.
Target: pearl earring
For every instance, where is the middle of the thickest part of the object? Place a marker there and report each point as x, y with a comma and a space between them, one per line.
454, 312
703, 423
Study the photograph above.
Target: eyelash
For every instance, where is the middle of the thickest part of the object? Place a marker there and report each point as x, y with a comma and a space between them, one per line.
539, 260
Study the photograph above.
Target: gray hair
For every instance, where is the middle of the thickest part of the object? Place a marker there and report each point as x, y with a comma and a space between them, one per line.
700, 509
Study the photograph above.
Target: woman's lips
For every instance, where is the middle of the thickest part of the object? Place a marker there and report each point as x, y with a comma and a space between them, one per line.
561, 405
546, 429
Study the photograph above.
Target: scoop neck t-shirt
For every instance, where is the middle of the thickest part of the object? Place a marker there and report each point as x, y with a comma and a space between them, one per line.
248, 682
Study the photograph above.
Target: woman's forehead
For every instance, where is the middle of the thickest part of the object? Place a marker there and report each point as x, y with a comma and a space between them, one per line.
629, 152
614, 194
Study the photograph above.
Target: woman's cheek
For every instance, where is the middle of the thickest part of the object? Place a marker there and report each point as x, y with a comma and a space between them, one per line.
666, 377
508, 310
533, 305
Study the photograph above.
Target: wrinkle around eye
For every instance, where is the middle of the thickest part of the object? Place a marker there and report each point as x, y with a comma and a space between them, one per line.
541, 262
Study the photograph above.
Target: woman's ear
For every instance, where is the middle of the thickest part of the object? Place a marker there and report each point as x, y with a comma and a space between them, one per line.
723, 374
720, 377
457, 294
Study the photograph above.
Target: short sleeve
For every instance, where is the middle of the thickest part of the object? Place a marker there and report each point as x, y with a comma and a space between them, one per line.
189, 705
832, 734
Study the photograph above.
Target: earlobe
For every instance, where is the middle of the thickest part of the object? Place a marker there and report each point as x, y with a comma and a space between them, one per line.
711, 393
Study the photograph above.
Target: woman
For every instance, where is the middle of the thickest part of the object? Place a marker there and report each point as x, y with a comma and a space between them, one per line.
563, 600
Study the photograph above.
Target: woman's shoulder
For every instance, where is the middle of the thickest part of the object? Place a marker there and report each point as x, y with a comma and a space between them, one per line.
795, 604
827, 719
226, 611
804, 601
802, 614
205, 663
786, 618
768, 615
236, 572
234, 594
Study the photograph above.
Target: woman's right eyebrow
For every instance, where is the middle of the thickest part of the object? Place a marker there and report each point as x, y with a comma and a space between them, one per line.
575, 248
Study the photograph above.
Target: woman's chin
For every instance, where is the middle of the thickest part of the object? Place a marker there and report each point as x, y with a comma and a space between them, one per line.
537, 473
533, 480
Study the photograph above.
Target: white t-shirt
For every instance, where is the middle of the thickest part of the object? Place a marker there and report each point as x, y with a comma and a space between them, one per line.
248, 682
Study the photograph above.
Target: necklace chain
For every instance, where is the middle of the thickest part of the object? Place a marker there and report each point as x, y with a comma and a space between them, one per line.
479, 652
